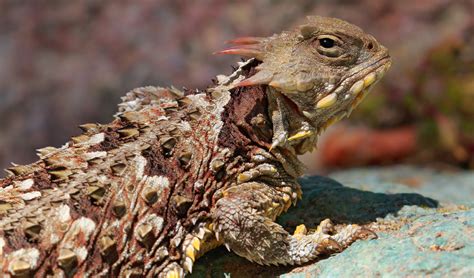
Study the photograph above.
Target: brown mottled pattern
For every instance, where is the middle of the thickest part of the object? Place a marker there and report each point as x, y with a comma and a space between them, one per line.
179, 173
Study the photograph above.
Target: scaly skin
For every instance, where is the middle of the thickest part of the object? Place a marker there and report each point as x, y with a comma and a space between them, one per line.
179, 173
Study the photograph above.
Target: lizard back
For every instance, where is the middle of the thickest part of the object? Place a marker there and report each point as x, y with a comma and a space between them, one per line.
140, 188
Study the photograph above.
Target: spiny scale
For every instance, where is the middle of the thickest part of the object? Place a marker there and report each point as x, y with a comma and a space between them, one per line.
128, 183
180, 172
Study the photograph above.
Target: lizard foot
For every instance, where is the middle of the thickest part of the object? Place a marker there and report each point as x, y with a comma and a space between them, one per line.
351, 233
329, 241
251, 234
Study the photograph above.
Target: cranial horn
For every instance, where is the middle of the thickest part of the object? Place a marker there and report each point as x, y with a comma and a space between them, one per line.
261, 77
245, 40
249, 50
250, 47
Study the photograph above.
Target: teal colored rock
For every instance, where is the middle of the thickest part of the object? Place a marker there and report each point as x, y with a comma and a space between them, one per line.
424, 220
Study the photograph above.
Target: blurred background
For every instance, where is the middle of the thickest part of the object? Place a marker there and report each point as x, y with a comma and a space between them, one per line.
63, 63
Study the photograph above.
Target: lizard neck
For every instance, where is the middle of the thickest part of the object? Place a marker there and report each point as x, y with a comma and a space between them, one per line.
292, 132
251, 121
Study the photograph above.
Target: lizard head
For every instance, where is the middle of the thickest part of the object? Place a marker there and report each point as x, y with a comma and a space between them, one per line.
323, 68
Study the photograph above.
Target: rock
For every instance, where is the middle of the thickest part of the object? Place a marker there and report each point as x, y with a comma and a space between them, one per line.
424, 220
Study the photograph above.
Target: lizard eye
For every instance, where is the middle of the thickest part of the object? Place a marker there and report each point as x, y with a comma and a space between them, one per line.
326, 42
329, 46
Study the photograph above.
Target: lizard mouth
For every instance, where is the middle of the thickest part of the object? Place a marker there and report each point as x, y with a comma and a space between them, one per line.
361, 86
347, 95
353, 89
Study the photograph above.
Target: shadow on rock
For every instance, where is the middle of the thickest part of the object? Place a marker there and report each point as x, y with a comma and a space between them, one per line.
322, 198
326, 198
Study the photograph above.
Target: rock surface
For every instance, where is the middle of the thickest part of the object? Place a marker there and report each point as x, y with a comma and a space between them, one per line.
424, 220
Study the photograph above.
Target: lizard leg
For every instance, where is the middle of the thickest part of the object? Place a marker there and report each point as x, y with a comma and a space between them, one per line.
241, 224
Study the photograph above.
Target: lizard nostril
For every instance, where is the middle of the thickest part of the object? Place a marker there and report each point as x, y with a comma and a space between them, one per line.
370, 46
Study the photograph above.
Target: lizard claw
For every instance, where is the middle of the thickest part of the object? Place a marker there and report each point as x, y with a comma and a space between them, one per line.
329, 245
365, 233
279, 140
326, 227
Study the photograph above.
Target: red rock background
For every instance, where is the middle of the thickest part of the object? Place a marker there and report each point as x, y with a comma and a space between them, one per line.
63, 63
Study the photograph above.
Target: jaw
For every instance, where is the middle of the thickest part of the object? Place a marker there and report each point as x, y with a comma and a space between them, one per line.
297, 129
348, 94
361, 83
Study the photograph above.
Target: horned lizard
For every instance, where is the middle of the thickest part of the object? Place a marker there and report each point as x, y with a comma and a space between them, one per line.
179, 172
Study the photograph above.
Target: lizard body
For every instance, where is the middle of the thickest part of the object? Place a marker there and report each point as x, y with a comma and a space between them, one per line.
178, 173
